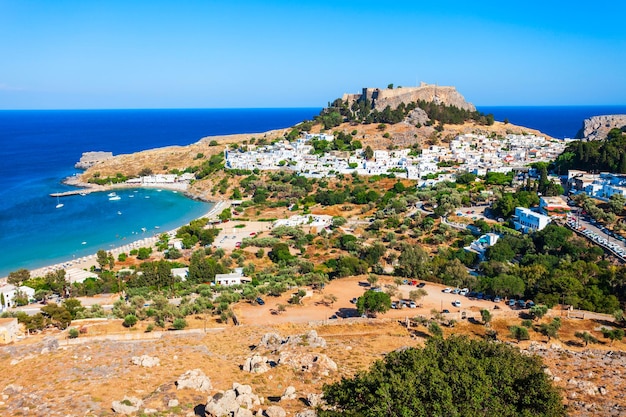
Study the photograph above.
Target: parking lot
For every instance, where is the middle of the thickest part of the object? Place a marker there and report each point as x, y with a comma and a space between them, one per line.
600, 237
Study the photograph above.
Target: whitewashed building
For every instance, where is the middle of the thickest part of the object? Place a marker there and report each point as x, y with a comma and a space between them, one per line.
527, 221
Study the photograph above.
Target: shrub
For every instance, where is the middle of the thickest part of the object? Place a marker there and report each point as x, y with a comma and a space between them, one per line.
73, 333
130, 320
179, 324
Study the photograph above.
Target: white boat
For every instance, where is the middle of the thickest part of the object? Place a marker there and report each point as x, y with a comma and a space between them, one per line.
131, 196
119, 212
59, 205
115, 198
147, 196
111, 194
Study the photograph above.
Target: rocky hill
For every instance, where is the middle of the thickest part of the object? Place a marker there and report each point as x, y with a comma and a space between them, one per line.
597, 127
392, 97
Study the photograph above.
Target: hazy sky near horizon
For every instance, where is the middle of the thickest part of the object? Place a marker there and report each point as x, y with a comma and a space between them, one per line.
213, 54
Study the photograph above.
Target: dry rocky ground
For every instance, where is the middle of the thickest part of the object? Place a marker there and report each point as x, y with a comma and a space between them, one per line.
213, 367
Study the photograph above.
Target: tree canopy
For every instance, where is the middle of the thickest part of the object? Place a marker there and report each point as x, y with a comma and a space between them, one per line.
448, 377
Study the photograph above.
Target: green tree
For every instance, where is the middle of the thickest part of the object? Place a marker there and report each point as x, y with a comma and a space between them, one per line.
18, 277
74, 306
586, 337
368, 152
519, 333
448, 377
280, 252
435, 329
485, 316
418, 294
372, 302
102, 257
616, 203
613, 334
56, 315
225, 214
538, 311
551, 329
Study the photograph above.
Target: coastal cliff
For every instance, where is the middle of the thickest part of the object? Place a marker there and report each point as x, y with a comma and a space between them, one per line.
597, 127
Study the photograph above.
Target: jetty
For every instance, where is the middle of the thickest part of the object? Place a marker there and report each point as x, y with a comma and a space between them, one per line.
74, 192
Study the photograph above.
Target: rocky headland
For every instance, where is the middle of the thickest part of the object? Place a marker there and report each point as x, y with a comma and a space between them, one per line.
597, 127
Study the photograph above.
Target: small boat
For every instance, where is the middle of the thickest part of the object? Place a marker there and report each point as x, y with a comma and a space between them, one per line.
131, 196
83, 194
59, 205
157, 227
147, 196
115, 198
111, 194
119, 212
158, 191
83, 243
143, 229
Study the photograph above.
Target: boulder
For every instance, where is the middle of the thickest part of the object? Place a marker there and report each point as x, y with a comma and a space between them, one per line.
194, 379
271, 341
222, 404
243, 412
128, 405
289, 394
257, 364
145, 361
314, 399
242, 389
275, 411
306, 413
309, 339
308, 362
172, 403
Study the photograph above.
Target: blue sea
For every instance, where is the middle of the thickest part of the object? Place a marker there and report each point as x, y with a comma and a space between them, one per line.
40, 148
559, 122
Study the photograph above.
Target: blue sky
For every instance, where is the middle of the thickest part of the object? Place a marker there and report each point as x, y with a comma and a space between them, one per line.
213, 54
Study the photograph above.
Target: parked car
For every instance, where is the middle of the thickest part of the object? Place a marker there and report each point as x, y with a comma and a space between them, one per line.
260, 301
456, 303
421, 285
394, 305
447, 290
445, 311
412, 304
496, 299
464, 292
512, 302
354, 300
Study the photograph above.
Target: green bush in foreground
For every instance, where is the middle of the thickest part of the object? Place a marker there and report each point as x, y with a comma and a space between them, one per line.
448, 377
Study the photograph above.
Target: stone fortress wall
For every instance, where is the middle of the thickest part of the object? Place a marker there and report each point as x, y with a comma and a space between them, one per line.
382, 98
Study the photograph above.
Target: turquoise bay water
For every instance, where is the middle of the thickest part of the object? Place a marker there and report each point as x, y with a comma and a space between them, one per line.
88, 223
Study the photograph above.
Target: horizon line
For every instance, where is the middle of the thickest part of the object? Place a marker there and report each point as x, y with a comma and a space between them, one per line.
283, 108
